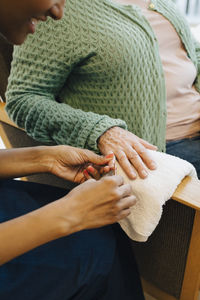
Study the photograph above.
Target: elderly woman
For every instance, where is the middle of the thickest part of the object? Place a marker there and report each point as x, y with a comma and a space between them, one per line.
109, 75
67, 261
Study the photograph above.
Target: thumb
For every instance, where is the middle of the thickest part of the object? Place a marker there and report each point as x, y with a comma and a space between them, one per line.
101, 160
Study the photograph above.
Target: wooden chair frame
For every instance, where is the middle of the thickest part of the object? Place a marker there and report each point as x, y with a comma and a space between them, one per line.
187, 193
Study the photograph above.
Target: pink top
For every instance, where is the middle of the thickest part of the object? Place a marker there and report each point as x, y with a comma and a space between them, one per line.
183, 101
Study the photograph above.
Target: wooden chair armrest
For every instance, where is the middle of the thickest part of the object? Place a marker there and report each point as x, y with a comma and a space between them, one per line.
4, 117
188, 193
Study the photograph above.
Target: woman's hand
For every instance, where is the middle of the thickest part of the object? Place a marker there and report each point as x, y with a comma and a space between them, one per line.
129, 150
64, 161
70, 162
95, 204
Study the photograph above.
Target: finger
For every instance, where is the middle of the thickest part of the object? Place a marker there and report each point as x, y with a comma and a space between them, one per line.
111, 163
137, 162
115, 180
125, 164
99, 160
127, 202
93, 172
125, 190
123, 214
87, 175
148, 145
110, 155
106, 169
82, 180
145, 156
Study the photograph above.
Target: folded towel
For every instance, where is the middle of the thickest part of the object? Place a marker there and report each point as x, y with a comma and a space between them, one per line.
152, 193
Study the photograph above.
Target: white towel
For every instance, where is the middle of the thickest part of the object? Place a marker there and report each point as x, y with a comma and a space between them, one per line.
152, 193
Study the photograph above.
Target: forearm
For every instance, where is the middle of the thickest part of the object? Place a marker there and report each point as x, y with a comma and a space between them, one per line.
23, 161
57, 123
27, 232
31, 102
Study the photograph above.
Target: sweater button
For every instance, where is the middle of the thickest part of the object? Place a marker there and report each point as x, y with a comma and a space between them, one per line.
151, 5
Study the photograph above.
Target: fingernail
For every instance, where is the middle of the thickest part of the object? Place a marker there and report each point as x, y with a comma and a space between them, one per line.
133, 175
110, 155
90, 169
153, 166
144, 173
86, 173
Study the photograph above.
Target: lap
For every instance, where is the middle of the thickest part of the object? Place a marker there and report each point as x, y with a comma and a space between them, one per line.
188, 149
64, 265
74, 267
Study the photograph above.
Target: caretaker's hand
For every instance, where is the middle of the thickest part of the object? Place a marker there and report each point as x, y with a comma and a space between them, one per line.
70, 162
90, 205
95, 204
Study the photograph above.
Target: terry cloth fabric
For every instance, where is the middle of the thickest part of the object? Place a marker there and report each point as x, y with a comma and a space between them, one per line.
152, 193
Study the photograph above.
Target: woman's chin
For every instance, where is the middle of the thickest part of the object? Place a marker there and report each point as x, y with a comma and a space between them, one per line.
17, 38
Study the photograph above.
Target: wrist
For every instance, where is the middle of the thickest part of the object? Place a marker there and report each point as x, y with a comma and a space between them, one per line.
45, 158
24, 161
47, 223
58, 218
100, 140
41, 159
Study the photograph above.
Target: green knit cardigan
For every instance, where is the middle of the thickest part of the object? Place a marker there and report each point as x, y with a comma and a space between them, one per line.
96, 68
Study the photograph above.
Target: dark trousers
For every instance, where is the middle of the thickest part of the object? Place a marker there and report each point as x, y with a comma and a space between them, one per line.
188, 149
95, 264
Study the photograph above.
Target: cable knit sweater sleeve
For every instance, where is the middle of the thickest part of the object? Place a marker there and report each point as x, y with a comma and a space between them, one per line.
40, 69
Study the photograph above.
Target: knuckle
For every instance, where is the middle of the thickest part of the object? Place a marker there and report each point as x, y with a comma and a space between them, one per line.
109, 180
117, 208
129, 189
115, 195
121, 157
86, 152
133, 155
120, 179
113, 212
142, 151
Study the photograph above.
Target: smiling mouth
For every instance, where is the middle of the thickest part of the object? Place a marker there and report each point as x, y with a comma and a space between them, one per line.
42, 18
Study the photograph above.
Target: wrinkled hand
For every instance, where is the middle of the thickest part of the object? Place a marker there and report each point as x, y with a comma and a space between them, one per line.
129, 150
69, 162
97, 203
